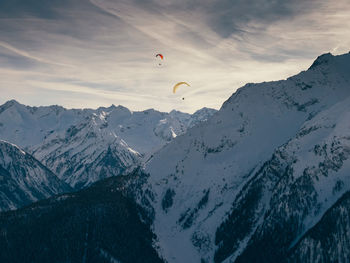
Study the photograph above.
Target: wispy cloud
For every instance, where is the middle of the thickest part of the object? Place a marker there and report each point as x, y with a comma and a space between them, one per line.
82, 53
29, 56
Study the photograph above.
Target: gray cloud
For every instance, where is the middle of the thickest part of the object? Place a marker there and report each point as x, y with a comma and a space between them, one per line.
230, 17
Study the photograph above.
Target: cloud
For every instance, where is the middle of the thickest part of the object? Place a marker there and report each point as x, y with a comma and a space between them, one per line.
230, 17
26, 55
82, 53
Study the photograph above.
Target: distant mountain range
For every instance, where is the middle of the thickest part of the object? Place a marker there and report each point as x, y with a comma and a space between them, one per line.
264, 179
83, 146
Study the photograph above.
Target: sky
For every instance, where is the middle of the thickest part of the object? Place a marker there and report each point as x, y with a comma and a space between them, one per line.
91, 53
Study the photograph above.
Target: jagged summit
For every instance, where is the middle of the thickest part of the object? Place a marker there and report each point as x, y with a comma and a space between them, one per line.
328, 62
7, 105
10, 103
113, 107
323, 59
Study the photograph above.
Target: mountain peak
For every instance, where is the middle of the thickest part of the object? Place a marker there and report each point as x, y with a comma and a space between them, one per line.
322, 59
13, 101
8, 104
204, 110
119, 107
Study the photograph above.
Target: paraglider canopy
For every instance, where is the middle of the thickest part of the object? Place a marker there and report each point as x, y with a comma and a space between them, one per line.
160, 55
179, 84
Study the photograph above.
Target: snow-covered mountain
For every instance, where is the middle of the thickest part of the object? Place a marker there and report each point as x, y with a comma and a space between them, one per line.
86, 152
270, 161
265, 179
28, 126
292, 190
83, 146
23, 179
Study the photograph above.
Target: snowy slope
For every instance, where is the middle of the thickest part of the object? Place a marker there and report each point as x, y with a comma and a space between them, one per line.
27, 126
292, 191
23, 179
196, 177
86, 153
83, 146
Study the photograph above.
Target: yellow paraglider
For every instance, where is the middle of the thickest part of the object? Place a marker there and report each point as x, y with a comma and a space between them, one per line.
179, 84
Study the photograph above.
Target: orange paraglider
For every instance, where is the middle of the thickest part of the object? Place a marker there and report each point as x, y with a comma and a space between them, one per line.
161, 57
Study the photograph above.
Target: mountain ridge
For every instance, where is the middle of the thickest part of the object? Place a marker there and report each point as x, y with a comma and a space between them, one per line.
72, 142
